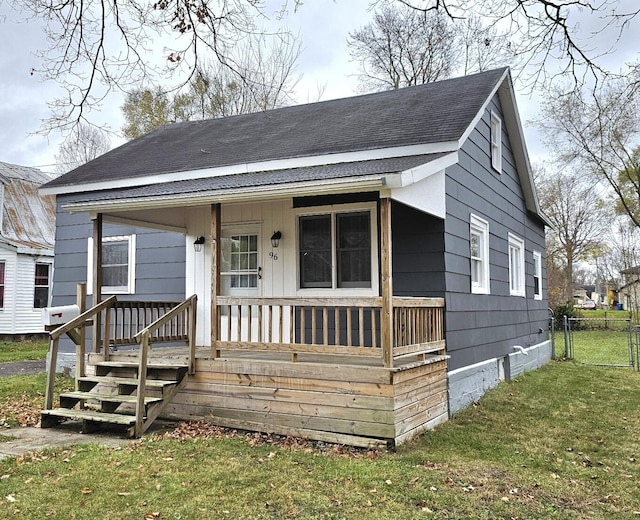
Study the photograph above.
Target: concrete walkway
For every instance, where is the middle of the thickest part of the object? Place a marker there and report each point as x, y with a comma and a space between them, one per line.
24, 440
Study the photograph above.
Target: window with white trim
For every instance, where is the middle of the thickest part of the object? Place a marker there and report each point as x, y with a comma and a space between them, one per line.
496, 142
537, 275
41, 286
516, 266
336, 250
479, 253
118, 265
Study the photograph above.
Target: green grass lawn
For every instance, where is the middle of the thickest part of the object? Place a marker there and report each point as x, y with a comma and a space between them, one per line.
561, 443
23, 350
608, 347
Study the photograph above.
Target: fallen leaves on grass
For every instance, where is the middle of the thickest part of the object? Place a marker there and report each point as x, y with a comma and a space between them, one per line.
24, 411
193, 430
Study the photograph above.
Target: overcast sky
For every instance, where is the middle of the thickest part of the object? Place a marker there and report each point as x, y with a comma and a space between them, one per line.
322, 24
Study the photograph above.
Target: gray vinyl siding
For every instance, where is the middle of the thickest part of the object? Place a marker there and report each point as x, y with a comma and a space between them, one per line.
160, 260
418, 245
478, 326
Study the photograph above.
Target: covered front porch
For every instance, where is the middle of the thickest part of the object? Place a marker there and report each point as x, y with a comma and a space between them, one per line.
357, 366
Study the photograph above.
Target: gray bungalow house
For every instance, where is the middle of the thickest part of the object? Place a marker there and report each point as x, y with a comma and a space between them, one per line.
363, 267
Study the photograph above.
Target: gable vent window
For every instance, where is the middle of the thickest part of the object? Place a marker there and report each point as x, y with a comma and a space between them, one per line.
496, 142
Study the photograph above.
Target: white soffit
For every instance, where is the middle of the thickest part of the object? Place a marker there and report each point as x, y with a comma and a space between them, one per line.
426, 195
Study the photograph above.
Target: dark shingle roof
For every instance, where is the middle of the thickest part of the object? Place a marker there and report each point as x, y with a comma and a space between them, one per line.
432, 113
262, 179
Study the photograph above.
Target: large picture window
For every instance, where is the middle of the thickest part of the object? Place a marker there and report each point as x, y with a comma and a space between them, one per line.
516, 266
479, 251
41, 290
335, 250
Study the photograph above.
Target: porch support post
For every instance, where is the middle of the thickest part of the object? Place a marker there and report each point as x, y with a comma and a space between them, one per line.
386, 314
215, 278
97, 279
81, 302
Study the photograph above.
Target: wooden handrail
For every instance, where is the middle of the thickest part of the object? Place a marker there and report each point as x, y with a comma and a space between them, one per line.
144, 338
54, 339
88, 314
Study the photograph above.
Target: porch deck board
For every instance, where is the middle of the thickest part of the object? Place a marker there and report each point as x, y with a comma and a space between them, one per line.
346, 399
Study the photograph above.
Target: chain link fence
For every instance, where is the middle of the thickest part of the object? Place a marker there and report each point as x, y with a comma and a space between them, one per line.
601, 341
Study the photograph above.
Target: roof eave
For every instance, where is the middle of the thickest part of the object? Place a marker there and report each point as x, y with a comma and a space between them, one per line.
365, 183
265, 166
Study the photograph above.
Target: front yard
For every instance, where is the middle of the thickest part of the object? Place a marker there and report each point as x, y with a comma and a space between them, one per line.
23, 350
558, 443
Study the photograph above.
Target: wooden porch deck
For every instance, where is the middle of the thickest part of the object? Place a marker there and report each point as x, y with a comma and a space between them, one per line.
347, 399
337, 371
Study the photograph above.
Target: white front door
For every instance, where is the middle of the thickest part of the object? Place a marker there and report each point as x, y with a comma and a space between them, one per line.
240, 275
240, 271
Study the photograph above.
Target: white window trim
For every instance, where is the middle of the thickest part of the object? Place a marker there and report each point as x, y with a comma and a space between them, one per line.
131, 286
517, 285
49, 279
335, 290
496, 142
537, 273
481, 227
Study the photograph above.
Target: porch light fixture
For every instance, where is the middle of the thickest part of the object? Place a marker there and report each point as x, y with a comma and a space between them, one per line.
275, 239
197, 244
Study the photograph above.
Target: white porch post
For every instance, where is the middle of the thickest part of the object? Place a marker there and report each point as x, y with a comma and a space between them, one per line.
215, 278
97, 278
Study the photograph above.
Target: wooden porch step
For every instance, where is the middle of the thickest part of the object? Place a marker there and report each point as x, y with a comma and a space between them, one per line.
108, 398
88, 415
128, 381
134, 364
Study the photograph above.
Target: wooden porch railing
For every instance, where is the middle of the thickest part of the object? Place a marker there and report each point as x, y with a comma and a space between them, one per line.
122, 323
127, 319
338, 326
184, 313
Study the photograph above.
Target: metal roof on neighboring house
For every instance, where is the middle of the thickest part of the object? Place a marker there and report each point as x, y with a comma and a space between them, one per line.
28, 219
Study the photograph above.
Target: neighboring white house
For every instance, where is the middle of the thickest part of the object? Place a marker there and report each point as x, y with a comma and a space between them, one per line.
27, 231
